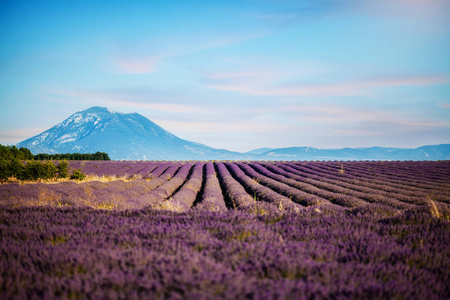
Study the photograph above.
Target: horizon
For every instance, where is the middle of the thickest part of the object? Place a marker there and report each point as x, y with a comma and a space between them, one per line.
239, 75
269, 148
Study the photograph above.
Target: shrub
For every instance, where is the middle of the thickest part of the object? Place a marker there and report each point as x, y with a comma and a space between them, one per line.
34, 170
78, 175
10, 168
62, 169
15, 166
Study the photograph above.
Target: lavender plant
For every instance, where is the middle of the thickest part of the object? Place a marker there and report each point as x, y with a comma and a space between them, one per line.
357, 253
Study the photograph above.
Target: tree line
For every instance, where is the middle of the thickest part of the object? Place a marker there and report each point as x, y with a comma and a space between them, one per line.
23, 165
12, 152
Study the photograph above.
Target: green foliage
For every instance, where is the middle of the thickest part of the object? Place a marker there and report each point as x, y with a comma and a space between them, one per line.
35, 170
4, 169
12, 164
12, 152
78, 175
15, 167
10, 168
63, 169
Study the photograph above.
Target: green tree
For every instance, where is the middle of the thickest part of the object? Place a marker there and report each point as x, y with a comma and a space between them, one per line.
25, 154
63, 169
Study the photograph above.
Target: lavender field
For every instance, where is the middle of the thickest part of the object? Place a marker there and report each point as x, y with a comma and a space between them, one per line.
230, 230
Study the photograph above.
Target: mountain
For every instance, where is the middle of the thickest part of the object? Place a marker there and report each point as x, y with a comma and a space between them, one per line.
122, 136
259, 151
134, 137
431, 152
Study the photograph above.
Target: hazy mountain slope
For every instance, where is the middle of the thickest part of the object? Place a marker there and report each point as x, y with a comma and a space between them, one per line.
258, 151
431, 152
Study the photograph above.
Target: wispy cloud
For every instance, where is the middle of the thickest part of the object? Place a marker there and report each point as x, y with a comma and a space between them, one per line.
341, 114
123, 99
423, 15
137, 65
194, 126
264, 84
15, 136
415, 8
142, 58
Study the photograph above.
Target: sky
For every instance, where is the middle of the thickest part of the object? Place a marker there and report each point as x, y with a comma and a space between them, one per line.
236, 75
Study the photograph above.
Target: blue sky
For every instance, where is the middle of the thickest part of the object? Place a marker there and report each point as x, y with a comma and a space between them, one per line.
237, 75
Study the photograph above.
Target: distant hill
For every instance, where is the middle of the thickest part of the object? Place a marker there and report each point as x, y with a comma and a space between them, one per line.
134, 137
259, 151
432, 152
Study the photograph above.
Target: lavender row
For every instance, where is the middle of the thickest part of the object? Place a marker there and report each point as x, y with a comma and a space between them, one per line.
261, 192
235, 193
212, 197
337, 184
373, 170
167, 173
420, 171
125, 198
417, 171
159, 170
156, 197
314, 196
115, 168
263, 176
111, 195
343, 172
343, 175
332, 187
184, 199
307, 183
334, 195
399, 194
